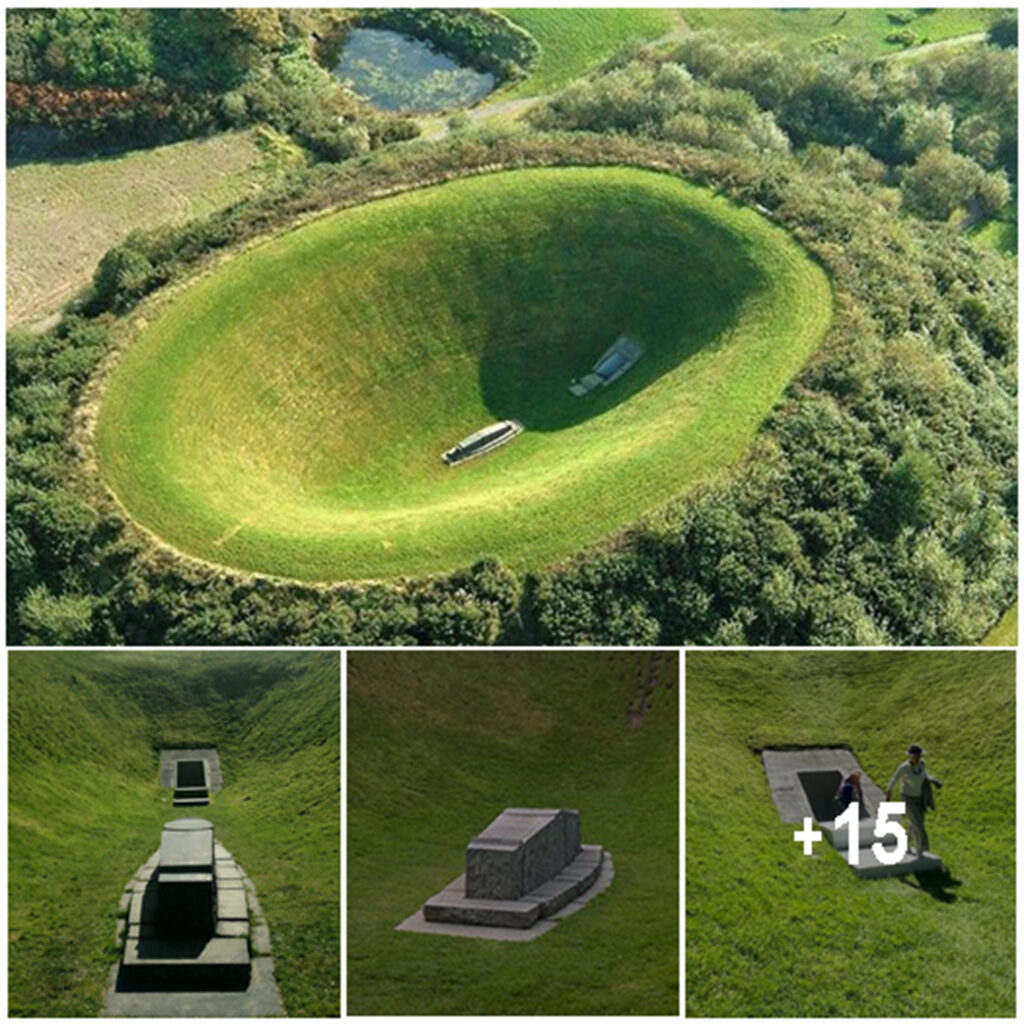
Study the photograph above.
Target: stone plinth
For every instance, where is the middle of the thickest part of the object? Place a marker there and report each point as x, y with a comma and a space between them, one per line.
186, 888
519, 850
526, 865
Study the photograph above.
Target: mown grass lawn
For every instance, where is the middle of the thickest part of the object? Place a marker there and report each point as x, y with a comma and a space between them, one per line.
287, 413
440, 744
864, 30
574, 41
773, 933
85, 809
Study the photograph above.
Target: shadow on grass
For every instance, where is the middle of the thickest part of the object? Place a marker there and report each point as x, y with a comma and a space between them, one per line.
937, 884
535, 348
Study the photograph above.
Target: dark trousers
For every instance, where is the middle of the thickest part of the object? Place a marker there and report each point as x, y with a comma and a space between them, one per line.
915, 816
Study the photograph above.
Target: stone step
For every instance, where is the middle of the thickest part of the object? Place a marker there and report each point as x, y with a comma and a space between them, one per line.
569, 883
455, 908
215, 964
452, 906
191, 801
911, 864
840, 838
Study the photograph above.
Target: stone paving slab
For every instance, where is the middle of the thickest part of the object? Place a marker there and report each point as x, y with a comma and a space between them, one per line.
417, 923
231, 905
260, 999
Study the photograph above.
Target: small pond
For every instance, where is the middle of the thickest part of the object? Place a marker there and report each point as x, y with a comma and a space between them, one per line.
403, 75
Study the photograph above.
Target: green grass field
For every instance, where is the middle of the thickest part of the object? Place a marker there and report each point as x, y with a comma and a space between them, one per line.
438, 744
85, 809
287, 413
62, 216
864, 30
772, 933
999, 234
1004, 632
574, 41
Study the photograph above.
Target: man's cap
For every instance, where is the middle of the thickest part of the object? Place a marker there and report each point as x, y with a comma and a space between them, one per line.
915, 748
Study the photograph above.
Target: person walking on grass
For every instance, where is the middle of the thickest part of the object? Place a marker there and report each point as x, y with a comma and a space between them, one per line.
916, 794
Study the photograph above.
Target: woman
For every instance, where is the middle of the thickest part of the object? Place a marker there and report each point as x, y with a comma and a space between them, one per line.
849, 791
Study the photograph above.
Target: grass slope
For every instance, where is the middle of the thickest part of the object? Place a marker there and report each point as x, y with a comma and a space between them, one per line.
63, 216
85, 810
1004, 632
773, 933
574, 41
864, 30
287, 413
438, 744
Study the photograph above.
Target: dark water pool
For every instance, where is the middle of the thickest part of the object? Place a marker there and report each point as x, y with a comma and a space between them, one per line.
404, 75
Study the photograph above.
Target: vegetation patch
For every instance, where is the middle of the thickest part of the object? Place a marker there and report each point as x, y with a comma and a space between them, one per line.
862, 32
573, 41
437, 746
85, 807
344, 358
773, 933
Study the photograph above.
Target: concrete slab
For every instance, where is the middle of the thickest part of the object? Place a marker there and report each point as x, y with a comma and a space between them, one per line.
187, 845
911, 864
260, 999
232, 929
803, 784
793, 796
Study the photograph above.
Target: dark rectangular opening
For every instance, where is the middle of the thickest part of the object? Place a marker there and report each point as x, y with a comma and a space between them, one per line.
820, 790
191, 773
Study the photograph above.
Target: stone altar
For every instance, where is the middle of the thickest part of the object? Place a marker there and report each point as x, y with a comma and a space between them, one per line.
527, 865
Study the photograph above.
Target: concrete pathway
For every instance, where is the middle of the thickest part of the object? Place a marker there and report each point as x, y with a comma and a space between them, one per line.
803, 785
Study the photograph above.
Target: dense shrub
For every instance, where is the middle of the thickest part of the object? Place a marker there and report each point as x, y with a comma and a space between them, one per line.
197, 70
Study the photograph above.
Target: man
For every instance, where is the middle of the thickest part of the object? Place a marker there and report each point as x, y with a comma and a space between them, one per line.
915, 794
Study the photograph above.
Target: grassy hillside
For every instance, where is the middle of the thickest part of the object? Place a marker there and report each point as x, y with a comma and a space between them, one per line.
62, 216
858, 32
574, 41
438, 744
773, 933
1004, 632
319, 377
85, 809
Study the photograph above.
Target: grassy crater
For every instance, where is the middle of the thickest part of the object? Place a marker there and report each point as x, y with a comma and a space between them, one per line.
286, 414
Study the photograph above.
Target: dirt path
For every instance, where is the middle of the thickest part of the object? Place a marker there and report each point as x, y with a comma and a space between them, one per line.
940, 44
